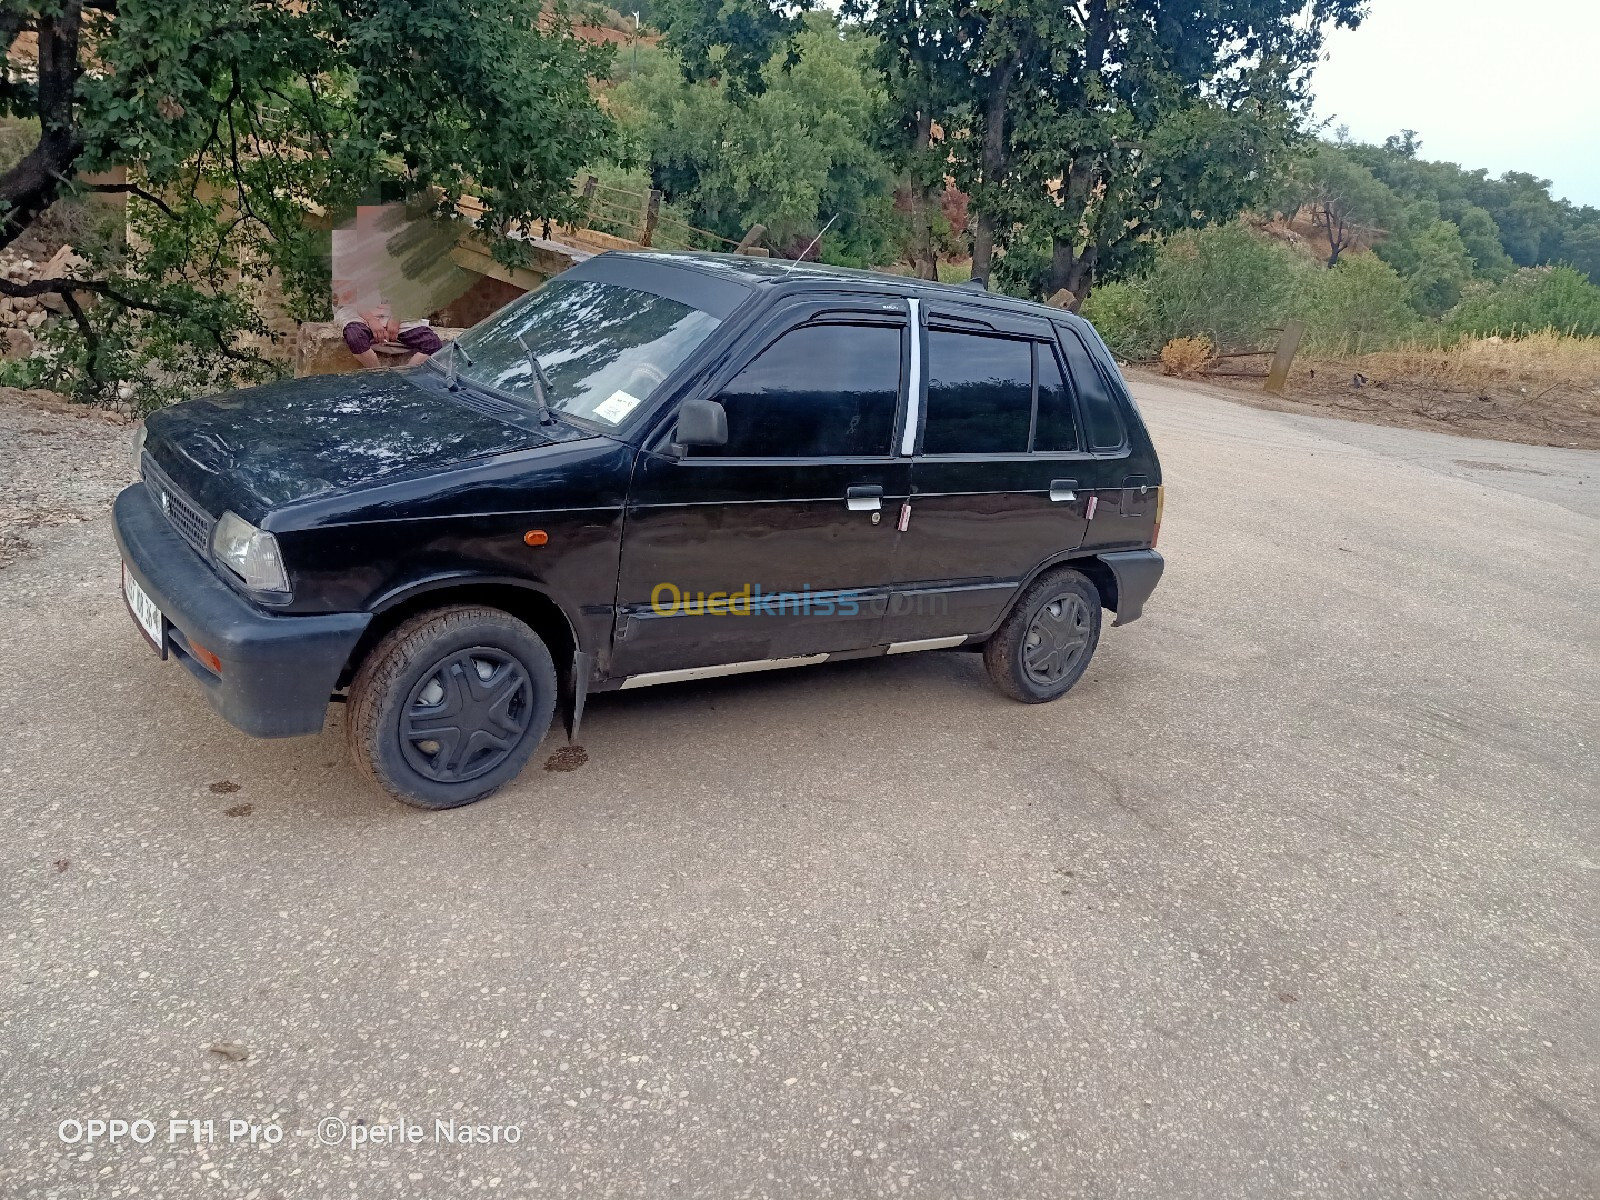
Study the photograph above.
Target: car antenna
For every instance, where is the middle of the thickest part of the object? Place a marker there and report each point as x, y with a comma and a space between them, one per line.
814, 241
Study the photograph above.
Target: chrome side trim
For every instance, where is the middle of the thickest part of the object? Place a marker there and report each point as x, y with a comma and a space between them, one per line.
908, 440
739, 668
938, 643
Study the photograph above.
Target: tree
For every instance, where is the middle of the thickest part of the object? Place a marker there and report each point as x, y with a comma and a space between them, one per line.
924, 80
239, 125
791, 155
1346, 201
729, 40
1580, 244
1078, 119
1430, 255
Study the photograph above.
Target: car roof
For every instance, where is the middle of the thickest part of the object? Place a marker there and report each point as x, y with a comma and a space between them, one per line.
762, 274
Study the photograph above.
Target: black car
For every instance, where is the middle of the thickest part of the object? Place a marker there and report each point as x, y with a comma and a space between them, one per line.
658, 467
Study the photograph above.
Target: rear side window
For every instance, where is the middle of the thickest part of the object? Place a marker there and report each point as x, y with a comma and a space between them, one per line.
1100, 409
1058, 427
820, 391
980, 394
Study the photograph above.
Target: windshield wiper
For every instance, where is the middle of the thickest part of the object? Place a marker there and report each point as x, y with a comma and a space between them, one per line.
456, 355
541, 383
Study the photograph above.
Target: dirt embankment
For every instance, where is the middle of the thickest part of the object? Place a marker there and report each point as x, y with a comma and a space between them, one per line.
1541, 391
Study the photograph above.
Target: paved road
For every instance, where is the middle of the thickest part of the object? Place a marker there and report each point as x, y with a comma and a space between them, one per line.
1295, 895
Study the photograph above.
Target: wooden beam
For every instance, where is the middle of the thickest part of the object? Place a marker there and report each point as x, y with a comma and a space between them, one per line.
652, 213
1288, 347
747, 244
480, 262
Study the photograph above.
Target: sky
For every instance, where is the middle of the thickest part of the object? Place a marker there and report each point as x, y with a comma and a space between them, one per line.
1485, 83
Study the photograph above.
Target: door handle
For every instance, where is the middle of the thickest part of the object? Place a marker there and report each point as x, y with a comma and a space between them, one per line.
1063, 489
863, 499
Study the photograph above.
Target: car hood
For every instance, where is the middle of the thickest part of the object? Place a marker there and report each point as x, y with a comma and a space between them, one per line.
263, 448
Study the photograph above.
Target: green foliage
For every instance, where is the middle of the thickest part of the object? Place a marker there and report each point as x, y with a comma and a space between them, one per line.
246, 124
1224, 283
1237, 288
1506, 222
1580, 246
1532, 300
728, 41
1348, 204
794, 155
1360, 305
1481, 236
1432, 257
1092, 127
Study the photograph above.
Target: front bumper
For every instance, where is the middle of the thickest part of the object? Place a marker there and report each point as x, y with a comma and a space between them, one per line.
277, 671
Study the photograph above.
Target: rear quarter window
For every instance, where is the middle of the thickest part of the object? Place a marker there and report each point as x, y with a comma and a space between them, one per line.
1102, 412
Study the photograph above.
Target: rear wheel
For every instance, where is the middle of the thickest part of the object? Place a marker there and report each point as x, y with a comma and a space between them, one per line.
1044, 645
450, 705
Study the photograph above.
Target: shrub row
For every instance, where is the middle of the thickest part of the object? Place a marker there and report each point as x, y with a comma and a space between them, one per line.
1236, 288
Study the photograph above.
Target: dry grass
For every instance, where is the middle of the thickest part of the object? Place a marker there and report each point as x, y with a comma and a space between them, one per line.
1542, 364
1185, 357
1543, 390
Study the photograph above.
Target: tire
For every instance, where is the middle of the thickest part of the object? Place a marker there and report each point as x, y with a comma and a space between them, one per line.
1062, 607
478, 679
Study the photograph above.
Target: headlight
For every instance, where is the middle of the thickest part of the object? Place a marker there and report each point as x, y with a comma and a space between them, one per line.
139, 436
250, 553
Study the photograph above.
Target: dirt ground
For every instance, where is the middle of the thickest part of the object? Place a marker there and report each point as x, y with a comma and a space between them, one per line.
65, 463
1292, 896
1566, 416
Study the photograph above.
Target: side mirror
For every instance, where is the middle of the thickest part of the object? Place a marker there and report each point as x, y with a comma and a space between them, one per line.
701, 423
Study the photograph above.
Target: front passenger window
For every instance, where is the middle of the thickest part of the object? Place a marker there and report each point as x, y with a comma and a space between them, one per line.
819, 391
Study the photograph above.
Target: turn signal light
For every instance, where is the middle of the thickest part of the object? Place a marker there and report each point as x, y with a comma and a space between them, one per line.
536, 537
207, 659
1161, 503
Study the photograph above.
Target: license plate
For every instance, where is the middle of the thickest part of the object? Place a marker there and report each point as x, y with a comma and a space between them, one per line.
145, 613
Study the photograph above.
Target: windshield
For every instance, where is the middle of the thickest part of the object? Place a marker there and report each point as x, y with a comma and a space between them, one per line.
604, 348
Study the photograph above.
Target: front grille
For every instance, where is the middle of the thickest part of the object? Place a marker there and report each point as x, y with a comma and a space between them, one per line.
191, 521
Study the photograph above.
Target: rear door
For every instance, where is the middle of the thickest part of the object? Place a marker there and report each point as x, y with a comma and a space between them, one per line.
1119, 484
776, 546
996, 480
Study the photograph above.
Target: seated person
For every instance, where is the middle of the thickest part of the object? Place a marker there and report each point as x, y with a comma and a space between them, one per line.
365, 329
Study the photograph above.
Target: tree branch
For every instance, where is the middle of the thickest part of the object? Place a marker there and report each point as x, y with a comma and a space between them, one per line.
131, 189
64, 288
91, 339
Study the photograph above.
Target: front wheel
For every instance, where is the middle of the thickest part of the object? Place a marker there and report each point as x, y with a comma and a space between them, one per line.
450, 705
1044, 645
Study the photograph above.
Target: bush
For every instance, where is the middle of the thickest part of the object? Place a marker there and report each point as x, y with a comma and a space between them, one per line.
1225, 284
1362, 304
1118, 310
1185, 356
1530, 301
1235, 289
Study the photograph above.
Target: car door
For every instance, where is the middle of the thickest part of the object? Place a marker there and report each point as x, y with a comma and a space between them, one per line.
1121, 487
996, 485
775, 546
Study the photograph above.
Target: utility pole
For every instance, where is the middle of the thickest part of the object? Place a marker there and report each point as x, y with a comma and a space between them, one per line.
635, 45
